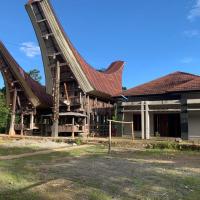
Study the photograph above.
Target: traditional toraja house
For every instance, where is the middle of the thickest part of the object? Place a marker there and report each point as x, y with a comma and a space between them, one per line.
82, 90
166, 107
26, 98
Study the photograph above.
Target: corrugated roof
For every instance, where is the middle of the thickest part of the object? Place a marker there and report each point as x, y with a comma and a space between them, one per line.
174, 82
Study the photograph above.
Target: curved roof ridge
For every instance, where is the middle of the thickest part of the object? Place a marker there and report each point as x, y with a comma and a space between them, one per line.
37, 89
108, 82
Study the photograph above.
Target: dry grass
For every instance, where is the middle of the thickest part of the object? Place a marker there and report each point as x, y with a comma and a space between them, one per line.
92, 174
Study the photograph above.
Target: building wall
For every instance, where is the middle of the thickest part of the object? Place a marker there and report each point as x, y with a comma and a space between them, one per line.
127, 128
194, 125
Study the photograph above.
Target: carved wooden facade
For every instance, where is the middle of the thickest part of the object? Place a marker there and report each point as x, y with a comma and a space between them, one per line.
73, 83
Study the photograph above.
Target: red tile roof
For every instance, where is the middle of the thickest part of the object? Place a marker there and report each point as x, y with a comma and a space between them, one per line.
36, 87
174, 82
108, 82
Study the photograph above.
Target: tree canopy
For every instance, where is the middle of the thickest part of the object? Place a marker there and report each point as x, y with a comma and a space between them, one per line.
35, 74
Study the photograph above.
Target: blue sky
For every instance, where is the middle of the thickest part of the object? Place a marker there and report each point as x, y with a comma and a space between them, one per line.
154, 37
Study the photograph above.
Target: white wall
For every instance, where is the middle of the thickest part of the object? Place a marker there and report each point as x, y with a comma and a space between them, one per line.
194, 125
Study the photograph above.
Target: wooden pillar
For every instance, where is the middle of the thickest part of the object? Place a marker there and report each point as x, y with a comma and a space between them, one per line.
31, 121
123, 123
81, 101
88, 112
73, 127
147, 121
22, 124
56, 100
142, 119
12, 120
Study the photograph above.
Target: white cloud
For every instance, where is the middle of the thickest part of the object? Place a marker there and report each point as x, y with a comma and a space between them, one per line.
30, 49
187, 60
195, 11
191, 33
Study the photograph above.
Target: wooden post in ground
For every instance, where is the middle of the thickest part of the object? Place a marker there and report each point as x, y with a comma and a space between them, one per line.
31, 121
73, 128
110, 136
12, 120
22, 124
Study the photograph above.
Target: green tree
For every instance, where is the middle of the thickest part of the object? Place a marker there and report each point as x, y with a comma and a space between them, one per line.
35, 74
4, 113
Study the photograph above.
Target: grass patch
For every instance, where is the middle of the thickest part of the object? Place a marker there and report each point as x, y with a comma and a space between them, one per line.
5, 151
98, 195
173, 146
90, 173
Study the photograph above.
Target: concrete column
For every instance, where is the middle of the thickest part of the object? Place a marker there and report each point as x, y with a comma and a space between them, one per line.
184, 119
142, 119
147, 121
12, 120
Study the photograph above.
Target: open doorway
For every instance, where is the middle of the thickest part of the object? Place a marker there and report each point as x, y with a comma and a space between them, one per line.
167, 125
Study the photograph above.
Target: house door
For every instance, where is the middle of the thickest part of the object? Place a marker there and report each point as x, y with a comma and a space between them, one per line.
167, 125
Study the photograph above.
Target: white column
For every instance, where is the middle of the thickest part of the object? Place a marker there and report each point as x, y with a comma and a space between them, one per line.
147, 120
142, 119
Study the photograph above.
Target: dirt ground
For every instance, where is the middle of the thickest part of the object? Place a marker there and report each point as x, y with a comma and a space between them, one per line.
91, 173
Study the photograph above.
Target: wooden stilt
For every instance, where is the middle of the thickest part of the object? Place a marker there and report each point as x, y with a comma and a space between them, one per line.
31, 121
73, 128
12, 120
22, 124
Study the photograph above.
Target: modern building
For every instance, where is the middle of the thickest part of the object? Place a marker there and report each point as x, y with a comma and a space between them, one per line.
167, 107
